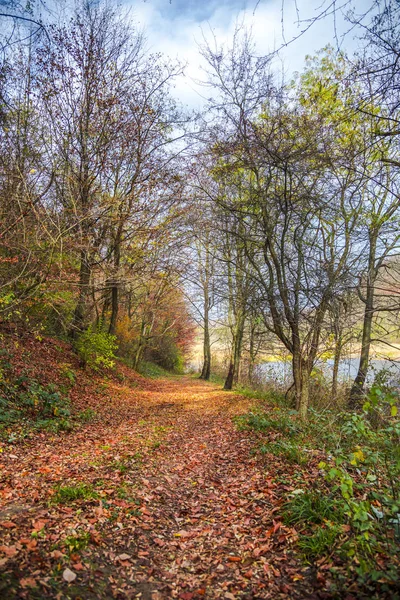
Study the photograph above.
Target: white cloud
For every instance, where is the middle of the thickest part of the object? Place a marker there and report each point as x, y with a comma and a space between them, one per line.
176, 33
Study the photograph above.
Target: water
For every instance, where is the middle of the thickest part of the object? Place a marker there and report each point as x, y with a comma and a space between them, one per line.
281, 371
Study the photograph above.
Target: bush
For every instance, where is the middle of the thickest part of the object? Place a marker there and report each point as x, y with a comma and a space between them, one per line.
97, 349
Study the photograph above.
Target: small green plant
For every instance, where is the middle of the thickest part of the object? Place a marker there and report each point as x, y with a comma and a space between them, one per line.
97, 349
312, 507
78, 542
121, 466
53, 425
67, 372
320, 542
124, 493
45, 401
289, 450
263, 422
152, 371
66, 494
86, 415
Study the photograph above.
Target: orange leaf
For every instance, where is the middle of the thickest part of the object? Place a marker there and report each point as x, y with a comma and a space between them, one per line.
27, 582
7, 524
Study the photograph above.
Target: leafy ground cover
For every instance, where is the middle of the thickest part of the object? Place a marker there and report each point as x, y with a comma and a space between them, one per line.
156, 491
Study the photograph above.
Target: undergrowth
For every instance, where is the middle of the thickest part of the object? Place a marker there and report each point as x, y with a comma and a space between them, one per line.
351, 514
153, 371
27, 406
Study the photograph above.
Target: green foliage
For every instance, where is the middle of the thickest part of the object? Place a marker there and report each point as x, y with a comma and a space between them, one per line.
78, 542
270, 395
320, 542
67, 372
152, 371
45, 400
97, 349
355, 513
29, 406
66, 494
87, 415
312, 507
287, 449
263, 422
167, 355
364, 473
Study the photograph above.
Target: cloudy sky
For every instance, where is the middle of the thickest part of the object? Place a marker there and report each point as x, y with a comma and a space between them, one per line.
175, 27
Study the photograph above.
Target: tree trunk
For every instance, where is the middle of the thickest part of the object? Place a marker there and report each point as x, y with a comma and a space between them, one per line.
206, 370
357, 390
252, 355
115, 283
229, 378
301, 377
335, 372
79, 319
233, 372
303, 401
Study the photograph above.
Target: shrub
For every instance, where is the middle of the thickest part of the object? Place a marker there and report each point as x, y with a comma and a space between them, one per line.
45, 400
97, 349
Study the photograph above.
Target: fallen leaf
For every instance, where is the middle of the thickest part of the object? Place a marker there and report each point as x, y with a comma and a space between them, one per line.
27, 582
69, 575
124, 557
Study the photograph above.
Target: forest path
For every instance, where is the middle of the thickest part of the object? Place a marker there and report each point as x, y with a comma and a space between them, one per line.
159, 497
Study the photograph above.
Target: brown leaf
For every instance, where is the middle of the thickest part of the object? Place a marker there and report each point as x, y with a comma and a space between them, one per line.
7, 524
27, 582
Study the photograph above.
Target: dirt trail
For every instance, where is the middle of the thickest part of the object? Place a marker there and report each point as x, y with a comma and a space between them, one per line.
172, 504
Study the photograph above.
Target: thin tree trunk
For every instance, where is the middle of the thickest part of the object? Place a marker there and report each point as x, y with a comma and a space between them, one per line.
114, 295
335, 371
79, 319
301, 377
233, 372
357, 390
206, 370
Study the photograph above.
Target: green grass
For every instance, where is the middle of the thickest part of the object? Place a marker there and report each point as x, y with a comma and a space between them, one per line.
286, 449
273, 396
312, 507
320, 542
153, 371
66, 494
262, 422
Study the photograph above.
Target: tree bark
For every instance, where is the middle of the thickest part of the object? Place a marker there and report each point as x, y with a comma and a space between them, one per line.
79, 319
233, 372
335, 371
357, 390
206, 370
115, 289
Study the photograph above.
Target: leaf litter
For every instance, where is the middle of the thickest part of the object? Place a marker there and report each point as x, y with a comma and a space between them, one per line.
149, 503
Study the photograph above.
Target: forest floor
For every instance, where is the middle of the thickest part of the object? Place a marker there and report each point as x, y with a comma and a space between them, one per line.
158, 496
